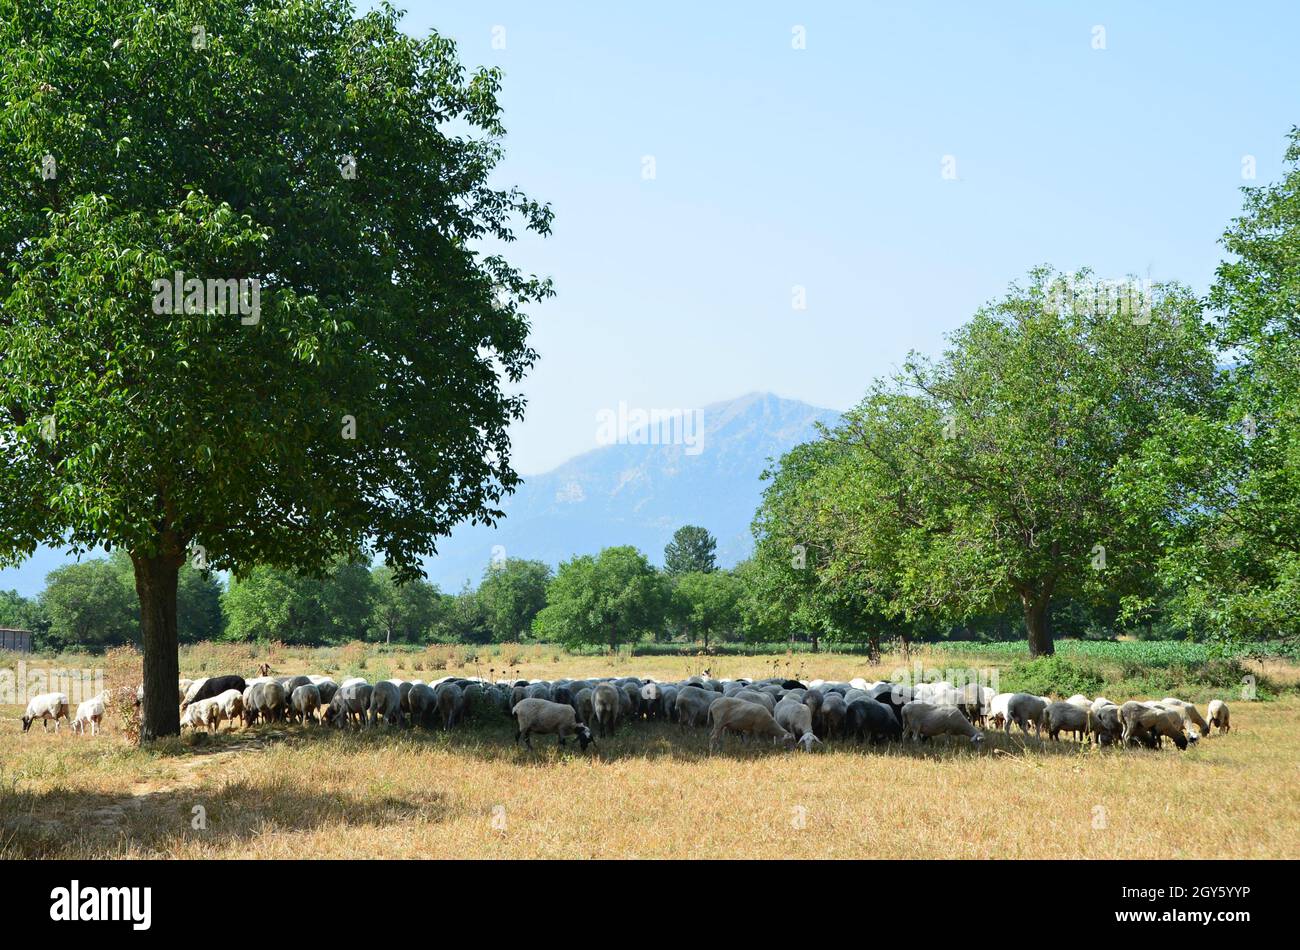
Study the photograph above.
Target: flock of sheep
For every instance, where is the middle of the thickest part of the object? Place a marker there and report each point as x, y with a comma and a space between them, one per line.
784, 711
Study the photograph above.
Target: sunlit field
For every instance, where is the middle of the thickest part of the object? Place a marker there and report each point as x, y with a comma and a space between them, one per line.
651, 790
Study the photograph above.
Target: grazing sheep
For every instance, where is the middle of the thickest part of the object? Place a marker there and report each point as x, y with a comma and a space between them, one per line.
972, 702
1189, 713
582, 704
290, 683
543, 717
1143, 722
871, 718
831, 716
651, 697
305, 703
629, 701
562, 693
192, 687
893, 695
1217, 715
763, 698
423, 704
45, 707
203, 712
232, 705
796, 718
269, 701
692, 706
450, 699
1025, 709
605, 703
385, 704
925, 720
212, 687
668, 703
92, 712
354, 681
1104, 724
250, 711
1065, 717
1080, 700
746, 719
997, 716
350, 704
326, 687
813, 699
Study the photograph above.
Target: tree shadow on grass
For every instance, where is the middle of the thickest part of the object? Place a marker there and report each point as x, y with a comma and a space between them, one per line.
73, 823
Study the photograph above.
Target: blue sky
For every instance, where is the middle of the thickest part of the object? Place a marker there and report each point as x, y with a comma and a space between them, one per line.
821, 167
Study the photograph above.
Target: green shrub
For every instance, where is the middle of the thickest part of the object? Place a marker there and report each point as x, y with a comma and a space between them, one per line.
1052, 676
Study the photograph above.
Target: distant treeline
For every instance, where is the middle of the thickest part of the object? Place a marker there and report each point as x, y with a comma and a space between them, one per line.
612, 599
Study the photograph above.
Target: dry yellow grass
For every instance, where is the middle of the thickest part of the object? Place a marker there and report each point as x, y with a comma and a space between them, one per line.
648, 792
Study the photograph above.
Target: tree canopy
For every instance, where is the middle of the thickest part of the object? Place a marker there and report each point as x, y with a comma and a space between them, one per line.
334, 165
692, 549
607, 599
982, 478
1219, 484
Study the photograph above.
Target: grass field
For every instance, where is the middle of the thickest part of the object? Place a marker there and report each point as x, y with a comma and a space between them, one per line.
648, 792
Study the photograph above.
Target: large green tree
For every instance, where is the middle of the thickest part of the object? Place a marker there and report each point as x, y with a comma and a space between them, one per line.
1221, 484
404, 612
692, 549
982, 478
24, 613
706, 604
333, 606
89, 605
344, 167
613, 597
512, 593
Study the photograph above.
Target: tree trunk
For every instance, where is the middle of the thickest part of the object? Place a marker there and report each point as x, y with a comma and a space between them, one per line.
155, 585
814, 642
1038, 624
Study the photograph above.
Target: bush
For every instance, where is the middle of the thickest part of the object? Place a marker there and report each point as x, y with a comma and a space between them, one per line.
1052, 676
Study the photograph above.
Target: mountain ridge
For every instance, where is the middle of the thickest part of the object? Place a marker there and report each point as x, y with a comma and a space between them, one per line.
639, 493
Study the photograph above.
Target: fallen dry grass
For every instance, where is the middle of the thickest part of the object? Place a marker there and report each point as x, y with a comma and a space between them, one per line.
648, 792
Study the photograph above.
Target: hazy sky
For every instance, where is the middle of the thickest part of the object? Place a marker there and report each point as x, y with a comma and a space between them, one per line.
821, 167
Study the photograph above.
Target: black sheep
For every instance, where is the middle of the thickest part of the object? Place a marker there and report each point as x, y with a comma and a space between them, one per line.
216, 685
869, 718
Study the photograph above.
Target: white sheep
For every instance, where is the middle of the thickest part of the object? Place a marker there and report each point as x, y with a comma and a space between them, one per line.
92, 712
1189, 714
45, 707
192, 689
205, 712
232, 705
997, 710
1217, 715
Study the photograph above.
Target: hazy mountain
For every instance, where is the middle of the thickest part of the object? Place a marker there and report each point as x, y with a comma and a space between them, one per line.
629, 493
